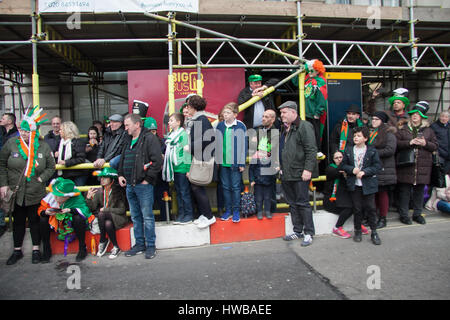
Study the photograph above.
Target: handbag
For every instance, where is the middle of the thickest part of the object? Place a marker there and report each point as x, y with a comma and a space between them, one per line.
201, 172
437, 178
8, 202
406, 157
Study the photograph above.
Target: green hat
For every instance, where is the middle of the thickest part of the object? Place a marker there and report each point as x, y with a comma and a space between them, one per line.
150, 123
63, 188
400, 94
106, 172
421, 107
254, 78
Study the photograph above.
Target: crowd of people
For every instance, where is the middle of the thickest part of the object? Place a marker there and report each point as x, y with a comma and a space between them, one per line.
363, 173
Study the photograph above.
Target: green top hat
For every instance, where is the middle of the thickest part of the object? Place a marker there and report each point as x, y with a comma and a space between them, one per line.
106, 172
421, 107
400, 94
254, 78
150, 123
63, 188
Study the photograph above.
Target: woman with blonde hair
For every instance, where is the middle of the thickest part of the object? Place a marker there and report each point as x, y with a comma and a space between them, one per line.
71, 152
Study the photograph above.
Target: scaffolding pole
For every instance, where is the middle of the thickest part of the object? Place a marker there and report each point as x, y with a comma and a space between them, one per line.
35, 75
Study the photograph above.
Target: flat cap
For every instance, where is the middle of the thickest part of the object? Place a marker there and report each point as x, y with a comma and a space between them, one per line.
289, 104
116, 117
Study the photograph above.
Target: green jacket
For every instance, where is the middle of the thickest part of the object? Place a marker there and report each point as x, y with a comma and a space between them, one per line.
12, 165
299, 151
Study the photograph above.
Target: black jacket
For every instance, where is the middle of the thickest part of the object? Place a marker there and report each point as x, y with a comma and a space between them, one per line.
246, 94
442, 133
371, 166
52, 140
148, 150
343, 199
112, 144
78, 156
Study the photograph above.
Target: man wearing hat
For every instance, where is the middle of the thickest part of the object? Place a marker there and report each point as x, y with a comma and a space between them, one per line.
399, 103
342, 134
113, 140
65, 211
298, 166
415, 134
254, 113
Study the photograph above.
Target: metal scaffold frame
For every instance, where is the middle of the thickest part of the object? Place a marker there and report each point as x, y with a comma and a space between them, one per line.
411, 56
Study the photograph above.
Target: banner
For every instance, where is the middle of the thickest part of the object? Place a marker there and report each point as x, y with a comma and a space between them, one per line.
104, 6
220, 86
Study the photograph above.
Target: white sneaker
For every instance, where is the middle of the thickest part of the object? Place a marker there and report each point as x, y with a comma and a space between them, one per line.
114, 252
206, 222
102, 247
307, 240
201, 218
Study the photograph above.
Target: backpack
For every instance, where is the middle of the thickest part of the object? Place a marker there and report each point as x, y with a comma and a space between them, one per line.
248, 204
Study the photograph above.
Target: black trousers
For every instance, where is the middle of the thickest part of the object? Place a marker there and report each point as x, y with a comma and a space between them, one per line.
78, 224
297, 196
20, 215
202, 201
404, 196
363, 205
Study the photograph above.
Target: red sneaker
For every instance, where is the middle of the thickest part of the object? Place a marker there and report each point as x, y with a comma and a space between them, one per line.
341, 233
364, 230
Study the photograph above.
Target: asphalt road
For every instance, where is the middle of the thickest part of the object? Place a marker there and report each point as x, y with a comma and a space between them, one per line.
413, 262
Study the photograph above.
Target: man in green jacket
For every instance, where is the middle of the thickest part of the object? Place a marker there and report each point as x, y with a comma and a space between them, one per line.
298, 166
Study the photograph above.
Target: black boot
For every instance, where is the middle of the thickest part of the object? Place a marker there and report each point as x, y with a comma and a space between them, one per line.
36, 257
381, 222
82, 254
357, 237
47, 253
16, 256
375, 238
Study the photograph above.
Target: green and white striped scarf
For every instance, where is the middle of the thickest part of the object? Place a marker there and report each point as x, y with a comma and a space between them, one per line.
170, 158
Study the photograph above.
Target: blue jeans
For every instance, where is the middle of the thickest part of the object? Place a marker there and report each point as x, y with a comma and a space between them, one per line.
2, 218
183, 189
443, 206
140, 199
114, 162
231, 179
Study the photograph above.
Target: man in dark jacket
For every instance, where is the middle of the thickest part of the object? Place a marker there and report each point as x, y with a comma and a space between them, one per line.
253, 114
442, 130
342, 134
53, 137
8, 130
298, 166
140, 162
113, 142
8, 127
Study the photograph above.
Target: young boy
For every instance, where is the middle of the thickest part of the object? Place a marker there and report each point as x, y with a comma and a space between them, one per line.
234, 153
361, 163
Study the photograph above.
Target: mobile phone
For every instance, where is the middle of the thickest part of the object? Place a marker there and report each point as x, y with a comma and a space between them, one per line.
420, 135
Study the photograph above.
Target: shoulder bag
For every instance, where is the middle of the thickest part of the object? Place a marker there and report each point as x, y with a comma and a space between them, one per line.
201, 172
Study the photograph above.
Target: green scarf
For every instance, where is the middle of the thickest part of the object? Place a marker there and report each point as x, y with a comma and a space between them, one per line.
335, 185
344, 133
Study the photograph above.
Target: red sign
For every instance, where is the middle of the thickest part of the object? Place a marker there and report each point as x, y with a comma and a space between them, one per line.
220, 86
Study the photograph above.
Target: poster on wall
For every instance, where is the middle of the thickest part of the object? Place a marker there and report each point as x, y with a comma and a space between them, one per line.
220, 86
102, 6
